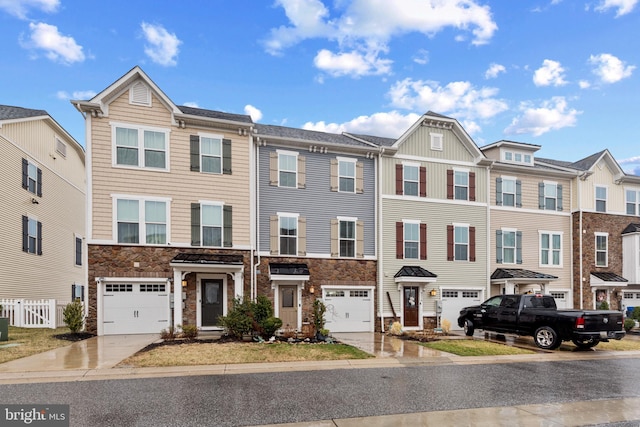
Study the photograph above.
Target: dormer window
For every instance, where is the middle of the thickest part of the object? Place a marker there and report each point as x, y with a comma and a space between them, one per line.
517, 157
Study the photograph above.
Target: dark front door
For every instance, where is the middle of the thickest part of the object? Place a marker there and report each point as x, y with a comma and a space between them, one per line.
411, 304
211, 303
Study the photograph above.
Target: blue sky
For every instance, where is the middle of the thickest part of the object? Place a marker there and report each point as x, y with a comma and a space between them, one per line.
562, 74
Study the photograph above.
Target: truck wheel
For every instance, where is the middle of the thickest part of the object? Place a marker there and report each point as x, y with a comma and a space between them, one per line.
469, 328
546, 338
585, 342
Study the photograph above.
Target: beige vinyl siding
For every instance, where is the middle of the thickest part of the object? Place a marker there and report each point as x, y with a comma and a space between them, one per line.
418, 144
602, 176
61, 210
437, 216
530, 189
180, 184
530, 224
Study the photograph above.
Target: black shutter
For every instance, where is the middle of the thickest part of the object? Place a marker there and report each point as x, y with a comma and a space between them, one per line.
194, 142
25, 174
518, 193
39, 183
518, 247
195, 224
39, 243
226, 156
559, 204
499, 246
498, 191
541, 195
227, 221
25, 234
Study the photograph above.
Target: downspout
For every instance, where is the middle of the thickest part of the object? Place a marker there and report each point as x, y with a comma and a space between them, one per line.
379, 245
580, 245
488, 234
256, 247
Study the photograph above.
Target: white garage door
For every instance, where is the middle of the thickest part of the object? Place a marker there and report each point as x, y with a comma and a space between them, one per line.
348, 310
454, 300
135, 308
631, 299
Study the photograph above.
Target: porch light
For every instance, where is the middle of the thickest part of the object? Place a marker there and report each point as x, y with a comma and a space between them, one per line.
312, 290
184, 283
433, 292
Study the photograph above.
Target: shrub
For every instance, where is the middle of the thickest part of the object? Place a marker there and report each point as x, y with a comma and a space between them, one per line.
168, 334
239, 320
629, 324
603, 306
318, 314
635, 314
73, 316
190, 332
269, 326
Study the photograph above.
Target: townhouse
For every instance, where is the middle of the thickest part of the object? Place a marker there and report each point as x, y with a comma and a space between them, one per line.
42, 214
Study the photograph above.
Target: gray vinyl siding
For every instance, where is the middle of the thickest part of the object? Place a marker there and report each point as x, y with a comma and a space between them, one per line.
316, 202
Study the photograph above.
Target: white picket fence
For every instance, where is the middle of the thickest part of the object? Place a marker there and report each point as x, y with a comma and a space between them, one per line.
30, 313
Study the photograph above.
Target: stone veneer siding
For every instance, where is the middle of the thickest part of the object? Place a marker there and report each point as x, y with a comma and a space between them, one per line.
601, 223
118, 261
323, 272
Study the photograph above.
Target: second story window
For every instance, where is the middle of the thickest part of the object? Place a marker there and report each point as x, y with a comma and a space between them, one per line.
550, 196
211, 225
140, 147
411, 240
602, 250
601, 199
31, 235
347, 176
550, 249
288, 235
411, 180
287, 170
461, 243
347, 238
633, 202
461, 185
31, 177
508, 246
211, 155
508, 192
141, 221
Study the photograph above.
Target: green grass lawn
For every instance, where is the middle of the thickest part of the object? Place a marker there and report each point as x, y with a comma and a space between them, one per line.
474, 348
30, 341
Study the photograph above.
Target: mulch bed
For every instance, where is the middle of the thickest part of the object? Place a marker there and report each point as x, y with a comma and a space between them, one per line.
78, 336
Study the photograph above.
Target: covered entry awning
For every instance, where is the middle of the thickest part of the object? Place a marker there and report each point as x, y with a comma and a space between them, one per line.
512, 277
601, 279
414, 274
288, 271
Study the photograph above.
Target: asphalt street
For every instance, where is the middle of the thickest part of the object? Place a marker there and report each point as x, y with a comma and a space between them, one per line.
283, 397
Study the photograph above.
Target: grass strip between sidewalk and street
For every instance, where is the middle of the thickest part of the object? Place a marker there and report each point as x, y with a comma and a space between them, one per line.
189, 354
474, 348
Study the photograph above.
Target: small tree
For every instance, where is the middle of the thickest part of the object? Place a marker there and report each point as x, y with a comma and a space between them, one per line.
318, 315
73, 316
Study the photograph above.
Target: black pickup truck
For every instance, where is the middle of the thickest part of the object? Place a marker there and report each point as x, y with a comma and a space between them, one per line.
536, 315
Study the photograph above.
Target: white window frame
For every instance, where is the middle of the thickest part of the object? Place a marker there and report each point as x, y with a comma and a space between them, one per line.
213, 137
32, 167
32, 239
606, 250
354, 240
411, 223
341, 176
294, 154
140, 129
550, 249
456, 186
295, 216
142, 223
437, 141
518, 157
406, 165
636, 203
455, 243
596, 199
509, 179
514, 247
555, 198
214, 204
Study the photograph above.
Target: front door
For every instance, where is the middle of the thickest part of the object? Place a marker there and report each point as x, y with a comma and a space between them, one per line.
289, 306
211, 305
411, 304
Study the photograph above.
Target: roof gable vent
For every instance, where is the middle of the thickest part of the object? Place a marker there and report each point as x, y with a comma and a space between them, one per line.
140, 94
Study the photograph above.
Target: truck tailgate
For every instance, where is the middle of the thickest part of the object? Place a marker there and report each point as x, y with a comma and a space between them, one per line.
602, 321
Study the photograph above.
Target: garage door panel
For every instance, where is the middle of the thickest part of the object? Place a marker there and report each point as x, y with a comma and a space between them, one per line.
135, 308
348, 310
454, 300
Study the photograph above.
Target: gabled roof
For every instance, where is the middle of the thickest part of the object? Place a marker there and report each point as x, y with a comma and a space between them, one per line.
377, 140
631, 228
8, 112
515, 144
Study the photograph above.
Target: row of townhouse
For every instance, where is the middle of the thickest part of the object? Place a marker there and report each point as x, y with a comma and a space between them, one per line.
190, 208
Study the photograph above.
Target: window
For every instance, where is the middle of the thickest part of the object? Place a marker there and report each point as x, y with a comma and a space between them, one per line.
152, 287
527, 158
461, 184
118, 287
334, 294
508, 192
77, 292
550, 196
359, 294
211, 225
601, 199
550, 249
515, 157
141, 217
211, 155
601, 250
449, 294
470, 294
461, 243
287, 170
411, 180
31, 177
348, 239
558, 295
78, 251
508, 156
436, 141
31, 235
140, 147
347, 176
289, 235
508, 247
633, 202
411, 240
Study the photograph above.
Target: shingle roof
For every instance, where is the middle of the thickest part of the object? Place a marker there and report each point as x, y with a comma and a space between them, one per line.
608, 276
631, 228
8, 112
519, 273
242, 118
199, 258
289, 269
587, 162
414, 271
307, 135
431, 113
377, 140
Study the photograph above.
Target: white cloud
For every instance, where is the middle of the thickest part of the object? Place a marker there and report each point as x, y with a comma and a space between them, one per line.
609, 68
584, 84
550, 74
20, 8
458, 99
494, 70
367, 26
355, 64
421, 57
390, 125
162, 46
57, 47
551, 115
623, 6
635, 159
252, 111
191, 104
78, 94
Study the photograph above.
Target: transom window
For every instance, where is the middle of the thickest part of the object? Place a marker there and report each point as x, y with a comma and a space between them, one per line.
211, 220
287, 170
601, 250
289, 235
461, 185
550, 196
140, 147
347, 238
140, 217
601, 199
411, 240
461, 243
508, 192
411, 177
210, 154
633, 202
347, 176
550, 249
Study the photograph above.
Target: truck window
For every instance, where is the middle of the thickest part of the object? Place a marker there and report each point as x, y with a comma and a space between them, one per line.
510, 302
493, 302
539, 302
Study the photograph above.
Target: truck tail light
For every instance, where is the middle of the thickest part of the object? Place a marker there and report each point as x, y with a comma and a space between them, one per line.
580, 323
